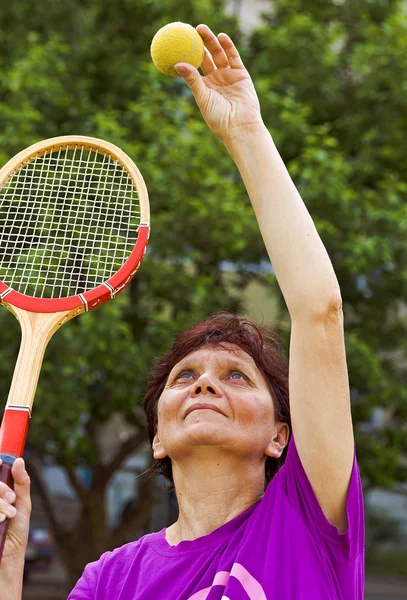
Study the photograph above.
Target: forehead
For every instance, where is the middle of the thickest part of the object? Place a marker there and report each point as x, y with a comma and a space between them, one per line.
218, 355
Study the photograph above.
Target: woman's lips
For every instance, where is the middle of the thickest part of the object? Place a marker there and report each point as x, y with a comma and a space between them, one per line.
201, 406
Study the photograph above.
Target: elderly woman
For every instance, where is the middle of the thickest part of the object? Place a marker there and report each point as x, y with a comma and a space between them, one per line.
267, 483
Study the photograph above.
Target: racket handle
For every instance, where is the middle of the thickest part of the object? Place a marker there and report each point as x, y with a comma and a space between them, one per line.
7, 478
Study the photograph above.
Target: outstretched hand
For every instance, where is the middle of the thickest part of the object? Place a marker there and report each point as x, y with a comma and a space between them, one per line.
17, 508
225, 94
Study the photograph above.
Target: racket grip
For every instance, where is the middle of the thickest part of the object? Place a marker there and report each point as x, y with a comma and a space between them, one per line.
7, 478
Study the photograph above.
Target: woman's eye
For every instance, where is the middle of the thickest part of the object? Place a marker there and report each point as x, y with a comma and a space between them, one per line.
184, 375
237, 375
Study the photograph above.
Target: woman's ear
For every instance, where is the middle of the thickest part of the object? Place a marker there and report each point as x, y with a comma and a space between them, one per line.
279, 441
158, 449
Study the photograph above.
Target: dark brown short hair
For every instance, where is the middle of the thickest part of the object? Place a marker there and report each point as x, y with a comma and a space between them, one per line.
219, 330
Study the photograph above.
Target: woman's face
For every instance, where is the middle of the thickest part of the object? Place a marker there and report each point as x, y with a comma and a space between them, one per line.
217, 397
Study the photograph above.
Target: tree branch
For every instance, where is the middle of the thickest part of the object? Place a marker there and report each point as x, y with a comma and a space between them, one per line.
44, 494
140, 516
127, 447
92, 431
76, 484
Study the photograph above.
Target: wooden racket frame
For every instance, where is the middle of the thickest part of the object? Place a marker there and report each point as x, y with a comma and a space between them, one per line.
40, 318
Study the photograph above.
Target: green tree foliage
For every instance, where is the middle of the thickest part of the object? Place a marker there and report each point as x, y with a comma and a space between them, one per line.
331, 79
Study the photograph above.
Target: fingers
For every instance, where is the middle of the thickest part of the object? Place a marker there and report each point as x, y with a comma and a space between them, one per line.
212, 43
7, 493
6, 510
20, 496
19, 473
7, 498
207, 66
223, 51
231, 52
22, 485
193, 78
219, 53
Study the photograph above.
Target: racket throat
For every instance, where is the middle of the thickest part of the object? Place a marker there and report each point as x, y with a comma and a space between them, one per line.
36, 331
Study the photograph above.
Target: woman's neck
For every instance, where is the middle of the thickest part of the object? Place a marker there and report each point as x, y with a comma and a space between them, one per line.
212, 492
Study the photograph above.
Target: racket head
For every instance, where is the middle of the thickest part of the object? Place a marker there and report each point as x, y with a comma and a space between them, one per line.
74, 224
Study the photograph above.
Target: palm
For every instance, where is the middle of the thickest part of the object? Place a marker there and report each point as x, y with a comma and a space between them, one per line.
225, 94
230, 102
17, 537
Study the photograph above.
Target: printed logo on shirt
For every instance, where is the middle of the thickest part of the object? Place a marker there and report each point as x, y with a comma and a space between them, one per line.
250, 585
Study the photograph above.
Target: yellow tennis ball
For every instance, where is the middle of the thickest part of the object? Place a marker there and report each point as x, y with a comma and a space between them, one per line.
174, 43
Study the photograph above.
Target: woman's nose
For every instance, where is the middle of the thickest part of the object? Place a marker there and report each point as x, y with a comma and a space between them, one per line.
206, 385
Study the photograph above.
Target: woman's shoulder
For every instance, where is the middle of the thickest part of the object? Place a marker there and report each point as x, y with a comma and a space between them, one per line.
122, 556
111, 566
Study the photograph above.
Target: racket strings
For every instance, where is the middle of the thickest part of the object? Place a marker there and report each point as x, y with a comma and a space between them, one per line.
68, 221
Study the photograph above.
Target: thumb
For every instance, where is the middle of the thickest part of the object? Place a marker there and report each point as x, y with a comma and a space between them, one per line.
193, 79
21, 487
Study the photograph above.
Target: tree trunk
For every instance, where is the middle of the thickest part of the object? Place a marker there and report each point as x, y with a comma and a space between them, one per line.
91, 536
87, 541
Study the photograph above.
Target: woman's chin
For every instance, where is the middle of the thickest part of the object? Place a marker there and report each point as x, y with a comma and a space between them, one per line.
204, 431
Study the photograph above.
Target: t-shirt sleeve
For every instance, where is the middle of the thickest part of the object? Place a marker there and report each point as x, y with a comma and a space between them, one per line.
297, 488
105, 574
85, 589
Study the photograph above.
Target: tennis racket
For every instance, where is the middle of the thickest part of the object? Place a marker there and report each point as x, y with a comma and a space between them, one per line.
74, 226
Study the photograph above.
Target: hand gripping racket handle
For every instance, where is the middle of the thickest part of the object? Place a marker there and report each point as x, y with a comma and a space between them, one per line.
7, 478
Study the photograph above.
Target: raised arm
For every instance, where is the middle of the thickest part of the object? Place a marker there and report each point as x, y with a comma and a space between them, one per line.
319, 389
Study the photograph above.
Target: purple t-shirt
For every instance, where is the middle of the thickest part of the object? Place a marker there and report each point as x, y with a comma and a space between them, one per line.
282, 548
